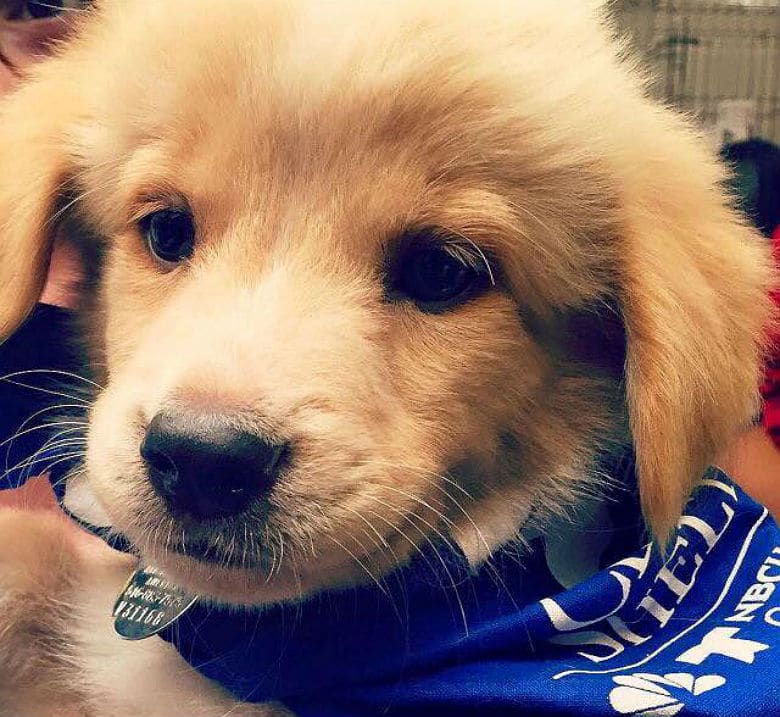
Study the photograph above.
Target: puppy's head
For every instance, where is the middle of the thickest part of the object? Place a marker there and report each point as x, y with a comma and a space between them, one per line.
377, 275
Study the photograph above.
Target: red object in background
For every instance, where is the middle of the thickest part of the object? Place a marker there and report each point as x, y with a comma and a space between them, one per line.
770, 388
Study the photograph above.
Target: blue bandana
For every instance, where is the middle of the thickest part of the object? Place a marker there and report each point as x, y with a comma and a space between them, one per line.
697, 634
588, 621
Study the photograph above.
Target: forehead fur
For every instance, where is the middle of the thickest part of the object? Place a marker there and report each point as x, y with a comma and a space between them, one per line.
469, 116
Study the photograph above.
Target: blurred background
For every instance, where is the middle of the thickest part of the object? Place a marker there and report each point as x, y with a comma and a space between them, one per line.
719, 59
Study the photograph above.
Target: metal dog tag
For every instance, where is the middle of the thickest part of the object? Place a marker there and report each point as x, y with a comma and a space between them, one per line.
148, 604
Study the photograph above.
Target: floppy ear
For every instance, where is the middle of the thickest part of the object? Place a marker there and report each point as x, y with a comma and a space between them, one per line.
34, 169
696, 308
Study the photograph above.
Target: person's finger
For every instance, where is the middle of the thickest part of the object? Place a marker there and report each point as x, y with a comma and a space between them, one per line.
24, 39
7, 77
24, 42
65, 276
35, 493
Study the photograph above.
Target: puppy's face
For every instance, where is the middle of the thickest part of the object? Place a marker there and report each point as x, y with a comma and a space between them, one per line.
374, 280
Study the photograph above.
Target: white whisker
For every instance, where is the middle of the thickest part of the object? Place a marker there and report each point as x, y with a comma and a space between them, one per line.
52, 372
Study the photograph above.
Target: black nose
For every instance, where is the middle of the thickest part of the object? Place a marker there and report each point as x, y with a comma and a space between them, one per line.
205, 468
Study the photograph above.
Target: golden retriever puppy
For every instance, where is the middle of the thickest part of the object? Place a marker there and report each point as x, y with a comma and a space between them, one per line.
361, 262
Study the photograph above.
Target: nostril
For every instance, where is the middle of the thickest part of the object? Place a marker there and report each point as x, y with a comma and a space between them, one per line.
205, 467
158, 461
279, 459
163, 472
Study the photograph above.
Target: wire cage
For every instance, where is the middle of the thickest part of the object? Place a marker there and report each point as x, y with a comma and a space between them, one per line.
717, 59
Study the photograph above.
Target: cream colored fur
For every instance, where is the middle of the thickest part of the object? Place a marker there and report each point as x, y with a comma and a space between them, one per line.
306, 136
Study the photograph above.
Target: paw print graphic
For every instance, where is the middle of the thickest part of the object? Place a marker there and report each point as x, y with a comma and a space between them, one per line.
658, 696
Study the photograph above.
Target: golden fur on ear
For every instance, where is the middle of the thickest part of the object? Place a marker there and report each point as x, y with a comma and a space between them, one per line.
34, 170
696, 308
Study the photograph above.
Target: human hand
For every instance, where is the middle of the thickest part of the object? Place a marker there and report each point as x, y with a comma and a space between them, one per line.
28, 29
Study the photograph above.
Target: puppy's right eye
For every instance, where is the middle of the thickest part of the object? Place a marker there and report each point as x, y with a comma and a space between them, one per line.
169, 234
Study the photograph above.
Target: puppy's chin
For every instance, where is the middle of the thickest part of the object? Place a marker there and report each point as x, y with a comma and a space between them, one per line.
238, 586
263, 584
237, 575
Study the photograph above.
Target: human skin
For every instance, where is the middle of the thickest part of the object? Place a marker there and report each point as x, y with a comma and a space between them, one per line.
754, 462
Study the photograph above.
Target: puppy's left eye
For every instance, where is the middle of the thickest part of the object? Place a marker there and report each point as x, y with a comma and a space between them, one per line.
437, 275
170, 234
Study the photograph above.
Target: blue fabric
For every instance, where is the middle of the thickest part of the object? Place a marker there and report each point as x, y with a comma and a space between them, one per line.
696, 634
36, 394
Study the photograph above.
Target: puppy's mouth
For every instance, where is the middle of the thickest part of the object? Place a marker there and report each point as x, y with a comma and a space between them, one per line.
209, 552
247, 542
235, 518
276, 551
